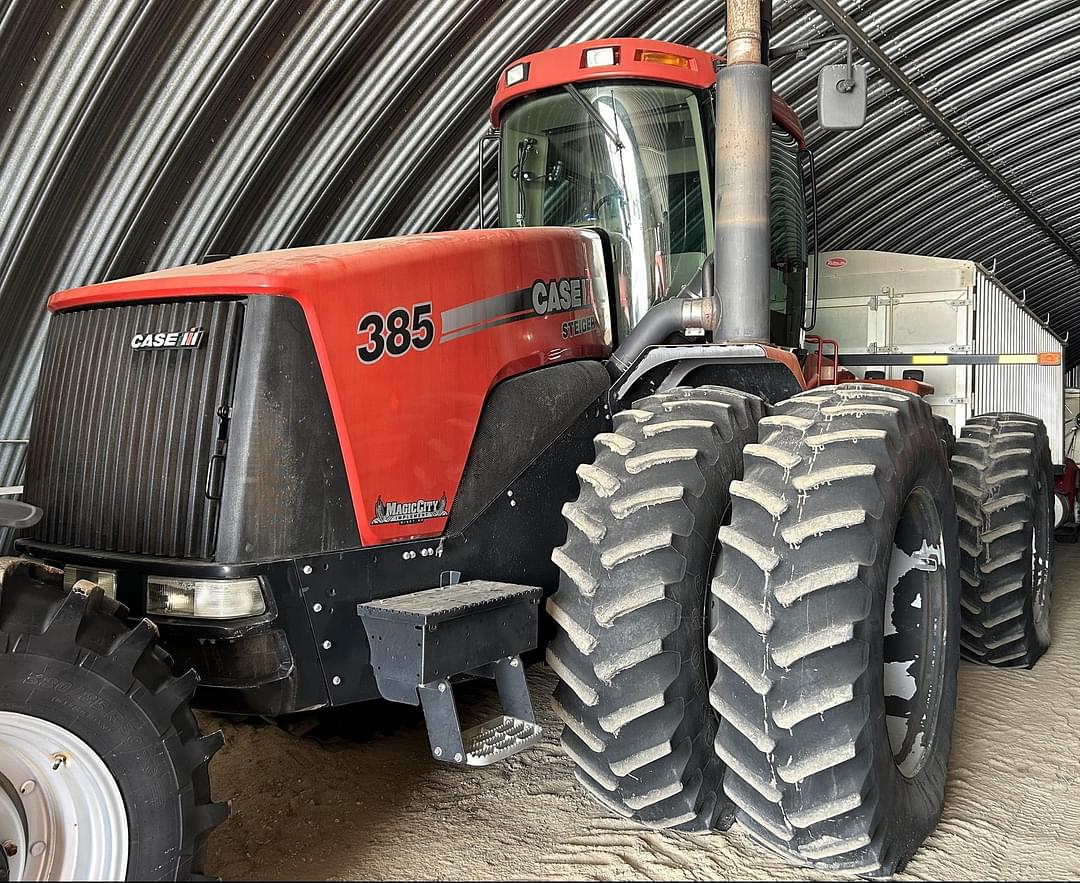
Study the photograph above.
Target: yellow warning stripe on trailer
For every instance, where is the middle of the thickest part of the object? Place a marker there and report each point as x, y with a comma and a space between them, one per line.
1050, 359
999, 359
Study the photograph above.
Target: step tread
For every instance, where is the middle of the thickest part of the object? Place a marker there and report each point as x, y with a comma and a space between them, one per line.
449, 602
497, 739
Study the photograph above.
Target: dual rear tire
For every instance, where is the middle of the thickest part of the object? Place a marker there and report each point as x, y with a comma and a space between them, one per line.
836, 630
629, 647
1005, 498
831, 604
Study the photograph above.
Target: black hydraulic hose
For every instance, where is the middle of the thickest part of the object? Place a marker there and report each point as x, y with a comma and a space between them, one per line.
817, 244
524, 146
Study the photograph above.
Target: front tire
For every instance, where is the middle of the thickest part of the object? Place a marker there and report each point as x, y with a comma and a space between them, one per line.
630, 610
836, 630
100, 734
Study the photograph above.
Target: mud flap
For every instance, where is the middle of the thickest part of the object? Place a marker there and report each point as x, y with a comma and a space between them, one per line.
419, 642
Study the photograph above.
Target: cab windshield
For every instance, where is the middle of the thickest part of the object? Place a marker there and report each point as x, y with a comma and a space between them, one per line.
629, 158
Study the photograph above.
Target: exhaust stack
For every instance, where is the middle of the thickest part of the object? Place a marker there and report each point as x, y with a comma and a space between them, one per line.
743, 129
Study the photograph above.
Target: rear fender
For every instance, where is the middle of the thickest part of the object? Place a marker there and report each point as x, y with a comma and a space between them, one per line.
755, 368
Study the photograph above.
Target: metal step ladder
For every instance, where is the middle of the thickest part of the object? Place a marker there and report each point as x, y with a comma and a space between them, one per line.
479, 628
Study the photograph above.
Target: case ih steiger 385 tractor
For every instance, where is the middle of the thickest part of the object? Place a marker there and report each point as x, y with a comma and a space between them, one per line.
332, 474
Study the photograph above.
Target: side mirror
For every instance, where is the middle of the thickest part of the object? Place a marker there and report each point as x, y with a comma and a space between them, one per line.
842, 97
18, 515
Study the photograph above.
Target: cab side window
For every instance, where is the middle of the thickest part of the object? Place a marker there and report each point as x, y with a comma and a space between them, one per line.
787, 291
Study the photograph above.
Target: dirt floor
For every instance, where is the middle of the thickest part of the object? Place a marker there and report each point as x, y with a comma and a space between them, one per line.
384, 809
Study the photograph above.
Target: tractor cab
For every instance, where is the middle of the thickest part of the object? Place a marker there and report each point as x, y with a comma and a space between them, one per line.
618, 135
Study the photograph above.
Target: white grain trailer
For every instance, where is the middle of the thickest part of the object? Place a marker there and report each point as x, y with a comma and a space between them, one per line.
975, 342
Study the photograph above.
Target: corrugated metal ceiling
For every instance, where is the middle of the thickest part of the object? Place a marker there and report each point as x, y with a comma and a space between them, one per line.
138, 134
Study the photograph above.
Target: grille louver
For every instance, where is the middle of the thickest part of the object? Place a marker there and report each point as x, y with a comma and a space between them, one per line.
123, 438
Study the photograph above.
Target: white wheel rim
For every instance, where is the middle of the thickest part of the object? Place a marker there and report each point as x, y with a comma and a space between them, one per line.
1041, 585
62, 816
1039, 568
914, 614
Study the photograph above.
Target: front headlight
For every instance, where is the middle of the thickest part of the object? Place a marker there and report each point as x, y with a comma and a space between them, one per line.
204, 598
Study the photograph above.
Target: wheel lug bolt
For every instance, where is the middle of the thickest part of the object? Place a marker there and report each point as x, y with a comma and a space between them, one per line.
10, 848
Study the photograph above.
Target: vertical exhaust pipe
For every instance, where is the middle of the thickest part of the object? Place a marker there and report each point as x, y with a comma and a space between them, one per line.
743, 130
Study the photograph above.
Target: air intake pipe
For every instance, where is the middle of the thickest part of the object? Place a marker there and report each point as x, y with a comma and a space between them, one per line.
668, 317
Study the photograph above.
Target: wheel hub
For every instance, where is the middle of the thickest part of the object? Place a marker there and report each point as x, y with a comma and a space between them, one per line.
12, 831
1040, 560
1038, 579
61, 812
915, 631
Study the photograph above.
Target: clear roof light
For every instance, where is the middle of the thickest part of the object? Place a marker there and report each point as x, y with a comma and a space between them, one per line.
519, 73
604, 56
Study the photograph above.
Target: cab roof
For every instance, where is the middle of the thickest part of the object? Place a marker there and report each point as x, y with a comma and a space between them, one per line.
635, 59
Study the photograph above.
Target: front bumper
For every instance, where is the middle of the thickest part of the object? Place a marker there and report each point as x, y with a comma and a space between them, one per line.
266, 665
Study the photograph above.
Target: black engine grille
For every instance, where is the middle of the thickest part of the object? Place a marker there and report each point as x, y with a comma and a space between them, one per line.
123, 438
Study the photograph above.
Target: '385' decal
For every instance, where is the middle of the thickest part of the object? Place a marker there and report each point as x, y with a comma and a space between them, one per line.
395, 333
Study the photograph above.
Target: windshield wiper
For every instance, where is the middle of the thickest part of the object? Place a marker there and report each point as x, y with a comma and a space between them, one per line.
594, 113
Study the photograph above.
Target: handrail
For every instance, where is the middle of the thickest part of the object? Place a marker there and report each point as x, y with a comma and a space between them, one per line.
493, 134
818, 355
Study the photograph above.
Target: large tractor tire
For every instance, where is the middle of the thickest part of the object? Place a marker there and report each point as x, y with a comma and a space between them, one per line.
836, 628
103, 771
630, 648
1004, 499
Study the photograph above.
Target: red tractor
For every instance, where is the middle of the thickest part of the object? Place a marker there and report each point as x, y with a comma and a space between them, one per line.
331, 474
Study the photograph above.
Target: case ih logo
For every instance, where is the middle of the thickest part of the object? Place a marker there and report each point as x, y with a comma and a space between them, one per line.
559, 295
409, 513
544, 297
168, 340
